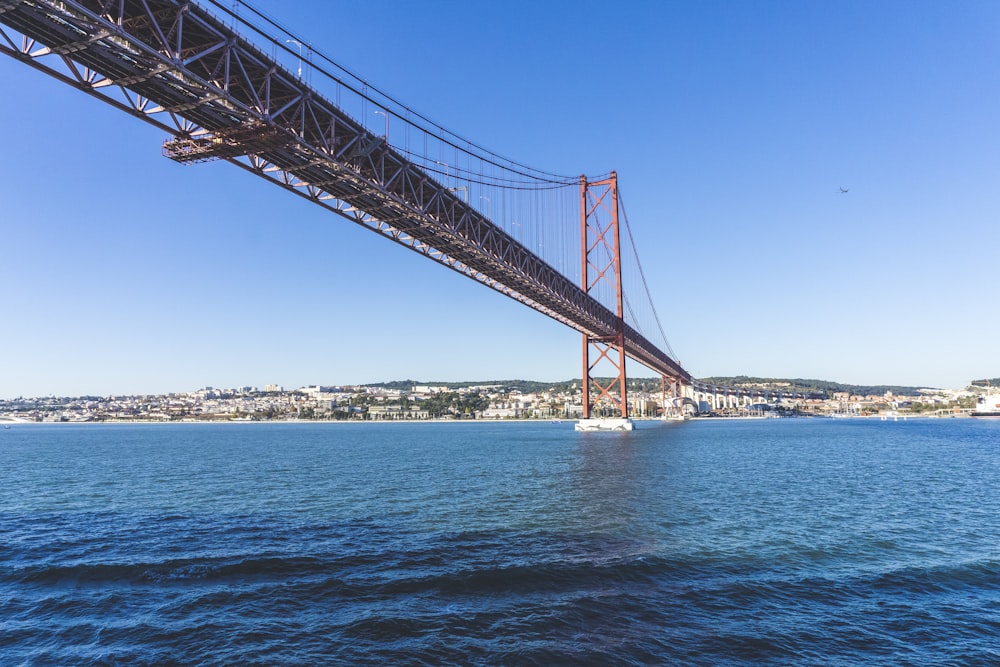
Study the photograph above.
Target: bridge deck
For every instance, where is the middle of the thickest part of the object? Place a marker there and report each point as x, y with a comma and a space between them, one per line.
177, 66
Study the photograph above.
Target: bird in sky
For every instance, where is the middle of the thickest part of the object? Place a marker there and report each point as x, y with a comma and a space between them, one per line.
843, 191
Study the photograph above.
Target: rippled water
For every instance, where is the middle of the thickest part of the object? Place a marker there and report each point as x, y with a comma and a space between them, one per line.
767, 542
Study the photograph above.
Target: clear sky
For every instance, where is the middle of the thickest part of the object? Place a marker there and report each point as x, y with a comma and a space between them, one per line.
732, 125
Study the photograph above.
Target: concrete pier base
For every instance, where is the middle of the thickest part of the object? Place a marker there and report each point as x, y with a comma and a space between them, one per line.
604, 424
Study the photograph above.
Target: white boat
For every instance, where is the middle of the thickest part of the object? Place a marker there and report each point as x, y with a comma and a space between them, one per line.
987, 405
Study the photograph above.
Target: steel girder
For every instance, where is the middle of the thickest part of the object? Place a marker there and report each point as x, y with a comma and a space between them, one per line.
174, 65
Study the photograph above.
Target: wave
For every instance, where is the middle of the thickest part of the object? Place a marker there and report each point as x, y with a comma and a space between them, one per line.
369, 593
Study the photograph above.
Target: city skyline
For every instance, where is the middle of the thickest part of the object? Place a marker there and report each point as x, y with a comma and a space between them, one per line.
490, 401
733, 130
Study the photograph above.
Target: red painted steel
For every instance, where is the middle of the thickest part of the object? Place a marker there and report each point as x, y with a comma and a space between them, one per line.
174, 65
601, 259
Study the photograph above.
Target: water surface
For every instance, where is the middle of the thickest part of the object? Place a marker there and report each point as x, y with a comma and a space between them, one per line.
706, 543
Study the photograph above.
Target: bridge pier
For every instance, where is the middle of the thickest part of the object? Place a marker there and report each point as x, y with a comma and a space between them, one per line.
602, 263
673, 407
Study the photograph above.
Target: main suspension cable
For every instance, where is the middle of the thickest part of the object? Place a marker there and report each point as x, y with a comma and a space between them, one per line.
402, 111
642, 275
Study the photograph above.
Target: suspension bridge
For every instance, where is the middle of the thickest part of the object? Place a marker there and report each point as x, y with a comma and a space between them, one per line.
224, 81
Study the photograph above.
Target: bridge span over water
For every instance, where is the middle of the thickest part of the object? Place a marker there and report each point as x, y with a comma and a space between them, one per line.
217, 81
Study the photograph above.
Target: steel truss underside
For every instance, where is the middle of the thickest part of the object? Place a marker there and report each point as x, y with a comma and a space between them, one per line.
176, 66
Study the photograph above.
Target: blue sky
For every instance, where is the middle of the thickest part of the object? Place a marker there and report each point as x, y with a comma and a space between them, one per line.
732, 126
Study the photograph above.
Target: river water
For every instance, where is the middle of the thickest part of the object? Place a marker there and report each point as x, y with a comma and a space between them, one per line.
797, 541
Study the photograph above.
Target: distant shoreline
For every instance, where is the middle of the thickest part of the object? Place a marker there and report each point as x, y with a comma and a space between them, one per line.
9, 421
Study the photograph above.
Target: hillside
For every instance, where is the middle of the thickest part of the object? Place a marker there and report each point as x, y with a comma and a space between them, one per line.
653, 384
812, 385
